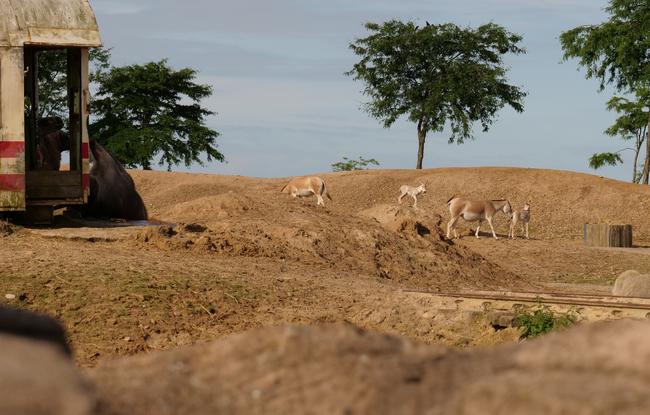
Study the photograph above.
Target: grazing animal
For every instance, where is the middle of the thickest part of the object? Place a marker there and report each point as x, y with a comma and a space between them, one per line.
475, 210
411, 191
520, 216
112, 191
307, 186
51, 142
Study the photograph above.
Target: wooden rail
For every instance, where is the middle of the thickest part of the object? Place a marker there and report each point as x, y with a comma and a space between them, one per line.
589, 306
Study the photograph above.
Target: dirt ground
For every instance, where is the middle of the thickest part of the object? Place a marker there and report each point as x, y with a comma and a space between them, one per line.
238, 254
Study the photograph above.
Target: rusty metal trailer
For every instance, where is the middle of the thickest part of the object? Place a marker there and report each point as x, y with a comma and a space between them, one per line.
29, 28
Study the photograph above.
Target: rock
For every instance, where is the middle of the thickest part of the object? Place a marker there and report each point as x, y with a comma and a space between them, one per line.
37, 378
632, 284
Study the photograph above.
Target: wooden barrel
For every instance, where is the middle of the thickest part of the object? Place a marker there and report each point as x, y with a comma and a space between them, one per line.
600, 234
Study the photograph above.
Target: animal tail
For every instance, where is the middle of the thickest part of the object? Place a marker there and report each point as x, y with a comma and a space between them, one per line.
326, 192
452, 198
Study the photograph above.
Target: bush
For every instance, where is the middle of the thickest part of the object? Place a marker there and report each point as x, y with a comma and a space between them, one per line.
542, 320
347, 164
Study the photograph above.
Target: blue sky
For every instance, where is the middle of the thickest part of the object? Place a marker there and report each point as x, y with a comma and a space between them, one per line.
284, 106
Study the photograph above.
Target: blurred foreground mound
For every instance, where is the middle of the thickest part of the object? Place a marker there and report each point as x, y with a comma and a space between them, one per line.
601, 368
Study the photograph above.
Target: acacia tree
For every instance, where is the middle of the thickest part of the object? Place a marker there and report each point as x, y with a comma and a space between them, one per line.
436, 75
616, 52
146, 111
630, 126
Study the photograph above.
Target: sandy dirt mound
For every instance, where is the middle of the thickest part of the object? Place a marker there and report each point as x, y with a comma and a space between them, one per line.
407, 221
341, 369
405, 248
241, 255
562, 202
37, 378
251, 218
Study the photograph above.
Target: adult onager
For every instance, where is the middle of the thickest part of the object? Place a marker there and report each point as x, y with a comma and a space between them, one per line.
475, 210
411, 191
307, 186
520, 216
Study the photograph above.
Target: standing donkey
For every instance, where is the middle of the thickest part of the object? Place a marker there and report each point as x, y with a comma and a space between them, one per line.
520, 216
475, 210
411, 191
307, 186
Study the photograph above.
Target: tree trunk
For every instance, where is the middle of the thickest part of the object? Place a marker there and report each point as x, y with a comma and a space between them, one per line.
422, 136
637, 149
646, 164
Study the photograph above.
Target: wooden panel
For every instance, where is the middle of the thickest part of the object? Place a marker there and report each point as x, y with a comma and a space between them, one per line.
54, 185
600, 234
74, 106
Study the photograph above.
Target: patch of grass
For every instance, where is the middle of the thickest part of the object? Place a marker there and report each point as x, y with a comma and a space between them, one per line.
541, 320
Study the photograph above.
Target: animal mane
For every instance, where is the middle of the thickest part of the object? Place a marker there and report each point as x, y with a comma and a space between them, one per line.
452, 198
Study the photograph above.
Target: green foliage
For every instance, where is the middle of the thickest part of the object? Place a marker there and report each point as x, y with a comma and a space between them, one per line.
631, 125
541, 320
100, 62
53, 89
436, 75
633, 121
52, 80
145, 111
598, 160
616, 51
347, 164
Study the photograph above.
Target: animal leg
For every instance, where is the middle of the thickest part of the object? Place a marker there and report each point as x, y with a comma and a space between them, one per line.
527, 230
489, 221
478, 229
513, 225
450, 226
415, 202
399, 199
320, 200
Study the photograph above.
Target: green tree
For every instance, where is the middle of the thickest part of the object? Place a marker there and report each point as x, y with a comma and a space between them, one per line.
52, 80
350, 164
615, 52
630, 126
437, 76
146, 111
